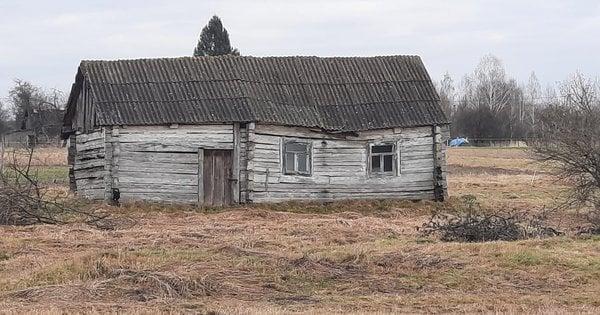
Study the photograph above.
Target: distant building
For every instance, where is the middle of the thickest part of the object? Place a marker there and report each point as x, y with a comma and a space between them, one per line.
229, 129
39, 126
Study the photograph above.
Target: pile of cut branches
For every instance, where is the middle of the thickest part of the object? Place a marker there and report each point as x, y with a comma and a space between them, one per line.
592, 217
25, 201
473, 225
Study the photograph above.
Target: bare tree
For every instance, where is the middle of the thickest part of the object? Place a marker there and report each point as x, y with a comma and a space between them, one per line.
4, 119
36, 109
533, 95
569, 132
447, 94
488, 85
530, 105
489, 103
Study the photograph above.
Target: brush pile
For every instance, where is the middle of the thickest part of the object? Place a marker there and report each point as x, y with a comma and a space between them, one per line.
474, 225
24, 200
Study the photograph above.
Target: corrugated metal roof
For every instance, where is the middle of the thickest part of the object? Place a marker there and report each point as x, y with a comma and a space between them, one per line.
337, 93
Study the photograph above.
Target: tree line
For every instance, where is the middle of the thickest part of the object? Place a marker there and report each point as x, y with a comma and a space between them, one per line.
31, 107
488, 103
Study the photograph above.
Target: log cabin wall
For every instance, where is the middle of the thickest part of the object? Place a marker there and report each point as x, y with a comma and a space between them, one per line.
340, 166
87, 160
161, 163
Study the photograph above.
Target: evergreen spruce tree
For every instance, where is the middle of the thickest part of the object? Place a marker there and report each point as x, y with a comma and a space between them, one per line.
214, 40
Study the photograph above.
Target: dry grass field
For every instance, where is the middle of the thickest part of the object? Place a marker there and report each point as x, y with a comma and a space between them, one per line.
347, 257
48, 164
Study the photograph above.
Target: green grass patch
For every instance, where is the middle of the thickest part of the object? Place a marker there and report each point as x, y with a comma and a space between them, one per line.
525, 258
4, 256
44, 174
59, 273
52, 174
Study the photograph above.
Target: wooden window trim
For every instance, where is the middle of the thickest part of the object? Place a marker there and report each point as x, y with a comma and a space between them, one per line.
308, 153
393, 152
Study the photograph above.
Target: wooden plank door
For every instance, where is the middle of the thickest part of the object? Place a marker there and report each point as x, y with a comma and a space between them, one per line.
216, 177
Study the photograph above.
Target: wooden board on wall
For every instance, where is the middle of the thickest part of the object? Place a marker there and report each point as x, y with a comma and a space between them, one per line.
166, 163
339, 165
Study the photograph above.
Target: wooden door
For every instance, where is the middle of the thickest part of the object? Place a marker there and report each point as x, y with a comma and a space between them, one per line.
217, 177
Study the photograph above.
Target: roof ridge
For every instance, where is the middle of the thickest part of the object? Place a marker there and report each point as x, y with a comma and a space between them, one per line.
262, 82
244, 57
266, 100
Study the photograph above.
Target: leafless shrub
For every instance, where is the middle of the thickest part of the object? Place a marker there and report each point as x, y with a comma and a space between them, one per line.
593, 219
24, 200
569, 138
473, 225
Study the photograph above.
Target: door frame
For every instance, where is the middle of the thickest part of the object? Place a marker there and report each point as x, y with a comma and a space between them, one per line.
235, 168
200, 176
234, 181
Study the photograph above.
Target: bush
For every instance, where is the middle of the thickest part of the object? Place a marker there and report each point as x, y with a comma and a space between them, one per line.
473, 225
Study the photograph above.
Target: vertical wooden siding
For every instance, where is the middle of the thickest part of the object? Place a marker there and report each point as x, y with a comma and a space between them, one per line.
85, 115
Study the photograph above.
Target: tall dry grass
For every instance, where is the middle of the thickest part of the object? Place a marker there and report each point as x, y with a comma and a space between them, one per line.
41, 156
348, 257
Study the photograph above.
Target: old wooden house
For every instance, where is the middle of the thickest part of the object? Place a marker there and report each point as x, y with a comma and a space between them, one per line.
220, 130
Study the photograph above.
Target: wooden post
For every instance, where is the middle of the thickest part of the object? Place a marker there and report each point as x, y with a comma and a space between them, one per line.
200, 177
71, 154
250, 160
116, 154
440, 189
108, 164
235, 182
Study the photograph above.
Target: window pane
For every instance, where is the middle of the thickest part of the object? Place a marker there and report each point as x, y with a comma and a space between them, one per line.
289, 162
375, 164
388, 148
302, 163
388, 162
295, 147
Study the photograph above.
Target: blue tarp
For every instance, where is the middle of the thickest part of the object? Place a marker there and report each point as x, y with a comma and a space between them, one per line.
458, 142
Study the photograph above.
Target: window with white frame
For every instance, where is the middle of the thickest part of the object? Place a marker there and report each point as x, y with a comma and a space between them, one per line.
382, 158
296, 157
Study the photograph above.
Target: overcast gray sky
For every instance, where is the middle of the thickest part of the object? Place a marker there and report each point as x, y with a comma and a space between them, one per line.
43, 41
